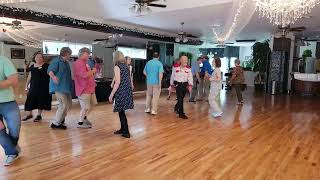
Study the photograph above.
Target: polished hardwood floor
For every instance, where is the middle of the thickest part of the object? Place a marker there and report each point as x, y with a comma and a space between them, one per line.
270, 137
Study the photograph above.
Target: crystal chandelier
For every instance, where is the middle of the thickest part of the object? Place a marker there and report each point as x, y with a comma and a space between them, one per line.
182, 36
284, 12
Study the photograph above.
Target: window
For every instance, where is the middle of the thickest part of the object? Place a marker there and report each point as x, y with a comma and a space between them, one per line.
54, 47
133, 52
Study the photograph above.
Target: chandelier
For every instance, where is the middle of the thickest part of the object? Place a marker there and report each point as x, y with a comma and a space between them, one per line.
182, 36
284, 12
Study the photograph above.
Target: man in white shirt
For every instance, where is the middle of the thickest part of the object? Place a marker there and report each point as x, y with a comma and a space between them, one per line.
182, 80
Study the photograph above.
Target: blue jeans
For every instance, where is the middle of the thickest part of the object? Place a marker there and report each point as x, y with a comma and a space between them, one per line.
11, 115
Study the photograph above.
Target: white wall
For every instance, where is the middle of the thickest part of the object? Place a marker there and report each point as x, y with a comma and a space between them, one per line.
19, 63
244, 51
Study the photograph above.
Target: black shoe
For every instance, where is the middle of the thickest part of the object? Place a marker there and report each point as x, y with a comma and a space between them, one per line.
126, 135
183, 116
61, 126
38, 118
27, 118
118, 132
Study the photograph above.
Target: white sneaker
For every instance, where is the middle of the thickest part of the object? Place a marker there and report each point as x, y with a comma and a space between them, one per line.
87, 122
147, 111
154, 113
10, 159
216, 115
85, 125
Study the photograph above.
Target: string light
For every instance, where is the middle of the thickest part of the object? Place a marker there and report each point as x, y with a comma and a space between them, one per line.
223, 39
22, 42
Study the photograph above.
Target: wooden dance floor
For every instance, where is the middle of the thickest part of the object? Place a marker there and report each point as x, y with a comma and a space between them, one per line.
270, 137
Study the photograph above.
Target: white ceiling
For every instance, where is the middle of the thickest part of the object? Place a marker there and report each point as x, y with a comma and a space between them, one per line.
198, 16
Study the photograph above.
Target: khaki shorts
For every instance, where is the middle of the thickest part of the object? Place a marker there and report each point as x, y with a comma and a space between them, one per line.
87, 101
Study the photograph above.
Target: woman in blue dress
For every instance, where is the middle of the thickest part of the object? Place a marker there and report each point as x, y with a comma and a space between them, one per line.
122, 92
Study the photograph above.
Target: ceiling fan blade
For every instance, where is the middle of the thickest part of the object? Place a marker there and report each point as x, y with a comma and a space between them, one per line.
158, 5
246, 40
191, 36
29, 25
7, 24
101, 40
145, 1
302, 28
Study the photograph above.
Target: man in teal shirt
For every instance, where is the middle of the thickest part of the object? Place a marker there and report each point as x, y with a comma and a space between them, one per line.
10, 111
154, 73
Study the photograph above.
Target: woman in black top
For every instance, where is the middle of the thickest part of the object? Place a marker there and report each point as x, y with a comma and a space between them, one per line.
37, 88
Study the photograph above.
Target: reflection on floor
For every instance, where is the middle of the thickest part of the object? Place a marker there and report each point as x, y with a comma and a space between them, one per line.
270, 137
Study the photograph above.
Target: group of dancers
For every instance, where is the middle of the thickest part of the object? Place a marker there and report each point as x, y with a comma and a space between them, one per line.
58, 78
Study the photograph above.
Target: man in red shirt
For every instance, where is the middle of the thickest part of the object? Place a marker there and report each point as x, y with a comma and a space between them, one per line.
85, 86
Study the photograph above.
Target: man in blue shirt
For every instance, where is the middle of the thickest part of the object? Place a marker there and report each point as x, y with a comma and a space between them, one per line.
195, 69
154, 73
205, 74
61, 84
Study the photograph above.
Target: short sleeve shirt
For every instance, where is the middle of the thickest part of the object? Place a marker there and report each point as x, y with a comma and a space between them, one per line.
152, 69
195, 68
6, 69
62, 70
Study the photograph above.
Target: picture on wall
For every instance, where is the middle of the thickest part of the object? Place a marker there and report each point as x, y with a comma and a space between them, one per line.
17, 53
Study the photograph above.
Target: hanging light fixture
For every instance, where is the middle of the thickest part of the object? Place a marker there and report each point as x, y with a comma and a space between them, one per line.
284, 12
182, 36
140, 9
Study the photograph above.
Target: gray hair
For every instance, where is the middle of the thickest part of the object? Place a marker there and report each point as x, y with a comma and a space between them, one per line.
118, 57
84, 50
237, 61
64, 51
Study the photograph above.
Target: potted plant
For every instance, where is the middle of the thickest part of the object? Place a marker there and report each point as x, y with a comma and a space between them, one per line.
260, 55
307, 61
189, 55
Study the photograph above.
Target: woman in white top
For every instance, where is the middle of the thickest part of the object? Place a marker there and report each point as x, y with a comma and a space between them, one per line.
216, 85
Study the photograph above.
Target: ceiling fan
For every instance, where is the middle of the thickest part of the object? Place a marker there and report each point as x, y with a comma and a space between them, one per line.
285, 30
16, 25
143, 6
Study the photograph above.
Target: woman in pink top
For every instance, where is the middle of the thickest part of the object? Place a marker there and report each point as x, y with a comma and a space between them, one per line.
85, 86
